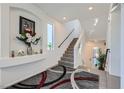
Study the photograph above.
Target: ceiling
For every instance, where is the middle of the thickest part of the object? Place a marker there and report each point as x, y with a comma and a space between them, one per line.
80, 11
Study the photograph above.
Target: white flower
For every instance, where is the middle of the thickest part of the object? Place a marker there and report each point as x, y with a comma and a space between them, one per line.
33, 39
20, 35
28, 35
29, 40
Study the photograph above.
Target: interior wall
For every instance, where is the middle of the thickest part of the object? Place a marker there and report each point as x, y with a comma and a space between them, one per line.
16, 44
89, 53
122, 46
75, 24
34, 13
60, 33
108, 44
115, 41
4, 30
0, 29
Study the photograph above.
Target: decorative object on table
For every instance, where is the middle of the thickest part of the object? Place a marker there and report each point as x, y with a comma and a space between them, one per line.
29, 50
12, 53
101, 59
21, 53
36, 52
27, 33
41, 51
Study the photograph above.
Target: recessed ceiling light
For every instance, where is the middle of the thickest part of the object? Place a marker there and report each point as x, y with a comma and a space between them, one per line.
64, 18
90, 8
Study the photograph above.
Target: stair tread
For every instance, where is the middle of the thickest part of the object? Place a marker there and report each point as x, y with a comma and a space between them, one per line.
62, 61
67, 58
68, 55
68, 66
69, 51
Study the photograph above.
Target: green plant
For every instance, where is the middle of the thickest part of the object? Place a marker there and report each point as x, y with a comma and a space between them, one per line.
50, 45
101, 60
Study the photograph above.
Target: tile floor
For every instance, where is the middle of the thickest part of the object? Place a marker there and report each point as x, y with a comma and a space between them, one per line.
106, 81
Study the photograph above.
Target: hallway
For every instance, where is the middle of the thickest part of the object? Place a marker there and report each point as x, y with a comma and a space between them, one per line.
63, 42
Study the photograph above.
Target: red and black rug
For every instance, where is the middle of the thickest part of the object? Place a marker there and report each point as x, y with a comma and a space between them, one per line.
60, 77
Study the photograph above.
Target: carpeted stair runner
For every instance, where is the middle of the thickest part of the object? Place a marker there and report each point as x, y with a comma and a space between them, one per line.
68, 57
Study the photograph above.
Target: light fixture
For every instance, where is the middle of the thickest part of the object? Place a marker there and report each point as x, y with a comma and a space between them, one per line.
90, 8
64, 18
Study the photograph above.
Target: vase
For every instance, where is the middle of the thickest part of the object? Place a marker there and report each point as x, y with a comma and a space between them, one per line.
29, 50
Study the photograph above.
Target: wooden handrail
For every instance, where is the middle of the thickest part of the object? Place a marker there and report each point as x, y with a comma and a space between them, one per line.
66, 38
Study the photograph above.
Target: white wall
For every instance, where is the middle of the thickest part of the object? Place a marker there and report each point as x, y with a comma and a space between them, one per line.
10, 31
15, 44
60, 33
108, 44
0, 30
122, 46
75, 24
4, 30
114, 41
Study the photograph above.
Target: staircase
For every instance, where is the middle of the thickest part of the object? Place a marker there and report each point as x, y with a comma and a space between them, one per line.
68, 57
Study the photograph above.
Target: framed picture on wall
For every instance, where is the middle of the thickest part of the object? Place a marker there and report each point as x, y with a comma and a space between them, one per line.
26, 25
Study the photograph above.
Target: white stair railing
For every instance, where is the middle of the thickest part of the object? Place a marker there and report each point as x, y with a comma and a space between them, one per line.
78, 51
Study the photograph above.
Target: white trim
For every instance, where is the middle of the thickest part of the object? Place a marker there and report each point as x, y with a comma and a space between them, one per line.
122, 45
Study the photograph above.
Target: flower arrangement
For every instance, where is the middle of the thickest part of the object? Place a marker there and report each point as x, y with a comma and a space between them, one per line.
28, 37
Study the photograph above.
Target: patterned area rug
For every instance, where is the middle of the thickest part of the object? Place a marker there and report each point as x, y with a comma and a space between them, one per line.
59, 77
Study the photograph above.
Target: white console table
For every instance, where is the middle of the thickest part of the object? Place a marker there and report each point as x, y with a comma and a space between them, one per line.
13, 70
15, 61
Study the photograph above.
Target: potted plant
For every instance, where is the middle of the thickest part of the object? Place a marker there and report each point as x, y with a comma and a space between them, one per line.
101, 59
28, 38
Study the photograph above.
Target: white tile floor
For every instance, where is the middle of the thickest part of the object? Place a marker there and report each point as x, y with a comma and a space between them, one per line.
106, 81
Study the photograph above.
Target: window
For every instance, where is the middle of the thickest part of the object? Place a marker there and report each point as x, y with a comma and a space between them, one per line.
50, 37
